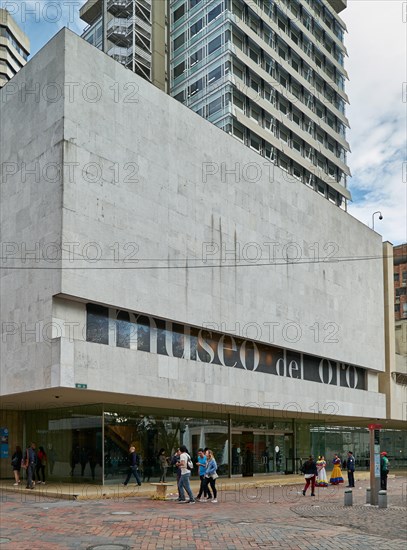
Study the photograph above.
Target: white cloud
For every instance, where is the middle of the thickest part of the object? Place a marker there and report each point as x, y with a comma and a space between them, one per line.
376, 45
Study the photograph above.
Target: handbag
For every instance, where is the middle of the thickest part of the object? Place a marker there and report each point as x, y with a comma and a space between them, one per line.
24, 462
309, 476
214, 475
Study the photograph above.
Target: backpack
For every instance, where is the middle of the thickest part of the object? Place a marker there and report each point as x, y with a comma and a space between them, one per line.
190, 465
385, 464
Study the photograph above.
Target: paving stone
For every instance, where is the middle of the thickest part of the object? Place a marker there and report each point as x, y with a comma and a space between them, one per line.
290, 521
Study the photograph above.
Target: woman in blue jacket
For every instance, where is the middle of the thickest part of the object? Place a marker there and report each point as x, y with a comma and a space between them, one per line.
210, 474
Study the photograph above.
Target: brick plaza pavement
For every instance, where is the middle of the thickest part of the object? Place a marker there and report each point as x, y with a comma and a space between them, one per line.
244, 518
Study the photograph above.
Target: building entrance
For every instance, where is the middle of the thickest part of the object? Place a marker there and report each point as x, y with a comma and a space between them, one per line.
261, 452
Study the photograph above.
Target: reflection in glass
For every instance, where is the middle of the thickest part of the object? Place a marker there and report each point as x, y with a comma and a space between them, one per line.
97, 324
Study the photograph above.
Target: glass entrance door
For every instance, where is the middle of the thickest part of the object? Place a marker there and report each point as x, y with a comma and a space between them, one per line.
261, 452
243, 457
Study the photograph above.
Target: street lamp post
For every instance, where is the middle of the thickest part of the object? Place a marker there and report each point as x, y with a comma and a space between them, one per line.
373, 215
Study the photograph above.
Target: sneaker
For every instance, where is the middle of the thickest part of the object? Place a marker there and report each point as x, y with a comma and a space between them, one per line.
312, 494
214, 500
303, 493
124, 484
15, 484
198, 500
39, 482
181, 501
191, 502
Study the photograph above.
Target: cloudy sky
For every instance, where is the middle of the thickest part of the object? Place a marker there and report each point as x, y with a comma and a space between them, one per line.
377, 45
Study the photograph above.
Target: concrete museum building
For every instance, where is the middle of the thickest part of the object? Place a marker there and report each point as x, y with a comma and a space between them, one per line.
163, 283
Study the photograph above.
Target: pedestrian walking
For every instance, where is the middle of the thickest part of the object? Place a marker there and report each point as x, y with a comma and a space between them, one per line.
163, 462
336, 474
211, 474
175, 463
309, 469
350, 466
384, 470
41, 463
186, 466
16, 459
203, 488
322, 480
133, 467
31, 461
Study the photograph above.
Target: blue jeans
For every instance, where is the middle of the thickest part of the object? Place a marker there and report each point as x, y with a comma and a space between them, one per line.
184, 484
133, 470
30, 474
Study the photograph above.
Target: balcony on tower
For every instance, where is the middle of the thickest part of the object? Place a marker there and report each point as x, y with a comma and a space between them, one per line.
120, 8
118, 31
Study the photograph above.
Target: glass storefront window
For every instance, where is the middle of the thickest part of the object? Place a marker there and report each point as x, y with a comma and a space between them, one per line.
72, 439
90, 443
151, 431
327, 439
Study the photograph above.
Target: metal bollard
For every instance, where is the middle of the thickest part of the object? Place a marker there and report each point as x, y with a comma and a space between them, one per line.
368, 496
348, 498
382, 499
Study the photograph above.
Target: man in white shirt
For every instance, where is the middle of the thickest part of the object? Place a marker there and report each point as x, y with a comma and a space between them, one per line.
185, 476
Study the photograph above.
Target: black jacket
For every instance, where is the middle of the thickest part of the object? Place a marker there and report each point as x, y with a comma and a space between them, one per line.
309, 467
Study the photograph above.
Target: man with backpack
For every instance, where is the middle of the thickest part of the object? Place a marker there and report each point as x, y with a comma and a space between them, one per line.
186, 465
384, 470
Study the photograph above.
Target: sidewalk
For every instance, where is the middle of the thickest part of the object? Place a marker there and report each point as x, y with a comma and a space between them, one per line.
274, 517
89, 491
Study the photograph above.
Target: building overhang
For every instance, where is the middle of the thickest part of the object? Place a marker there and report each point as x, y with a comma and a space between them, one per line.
64, 397
338, 5
90, 11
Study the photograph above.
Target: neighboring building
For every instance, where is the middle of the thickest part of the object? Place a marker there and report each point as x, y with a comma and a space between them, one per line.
400, 314
400, 283
269, 73
393, 382
133, 32
14, 47
169, 337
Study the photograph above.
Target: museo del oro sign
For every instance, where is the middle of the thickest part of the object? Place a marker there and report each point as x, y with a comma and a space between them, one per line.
149, 334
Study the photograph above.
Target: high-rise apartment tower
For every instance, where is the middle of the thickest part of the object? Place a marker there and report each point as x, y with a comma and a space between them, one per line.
270, 73
132, 32
14, 47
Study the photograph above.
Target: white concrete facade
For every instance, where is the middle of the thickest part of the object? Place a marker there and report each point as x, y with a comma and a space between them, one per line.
118, 163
